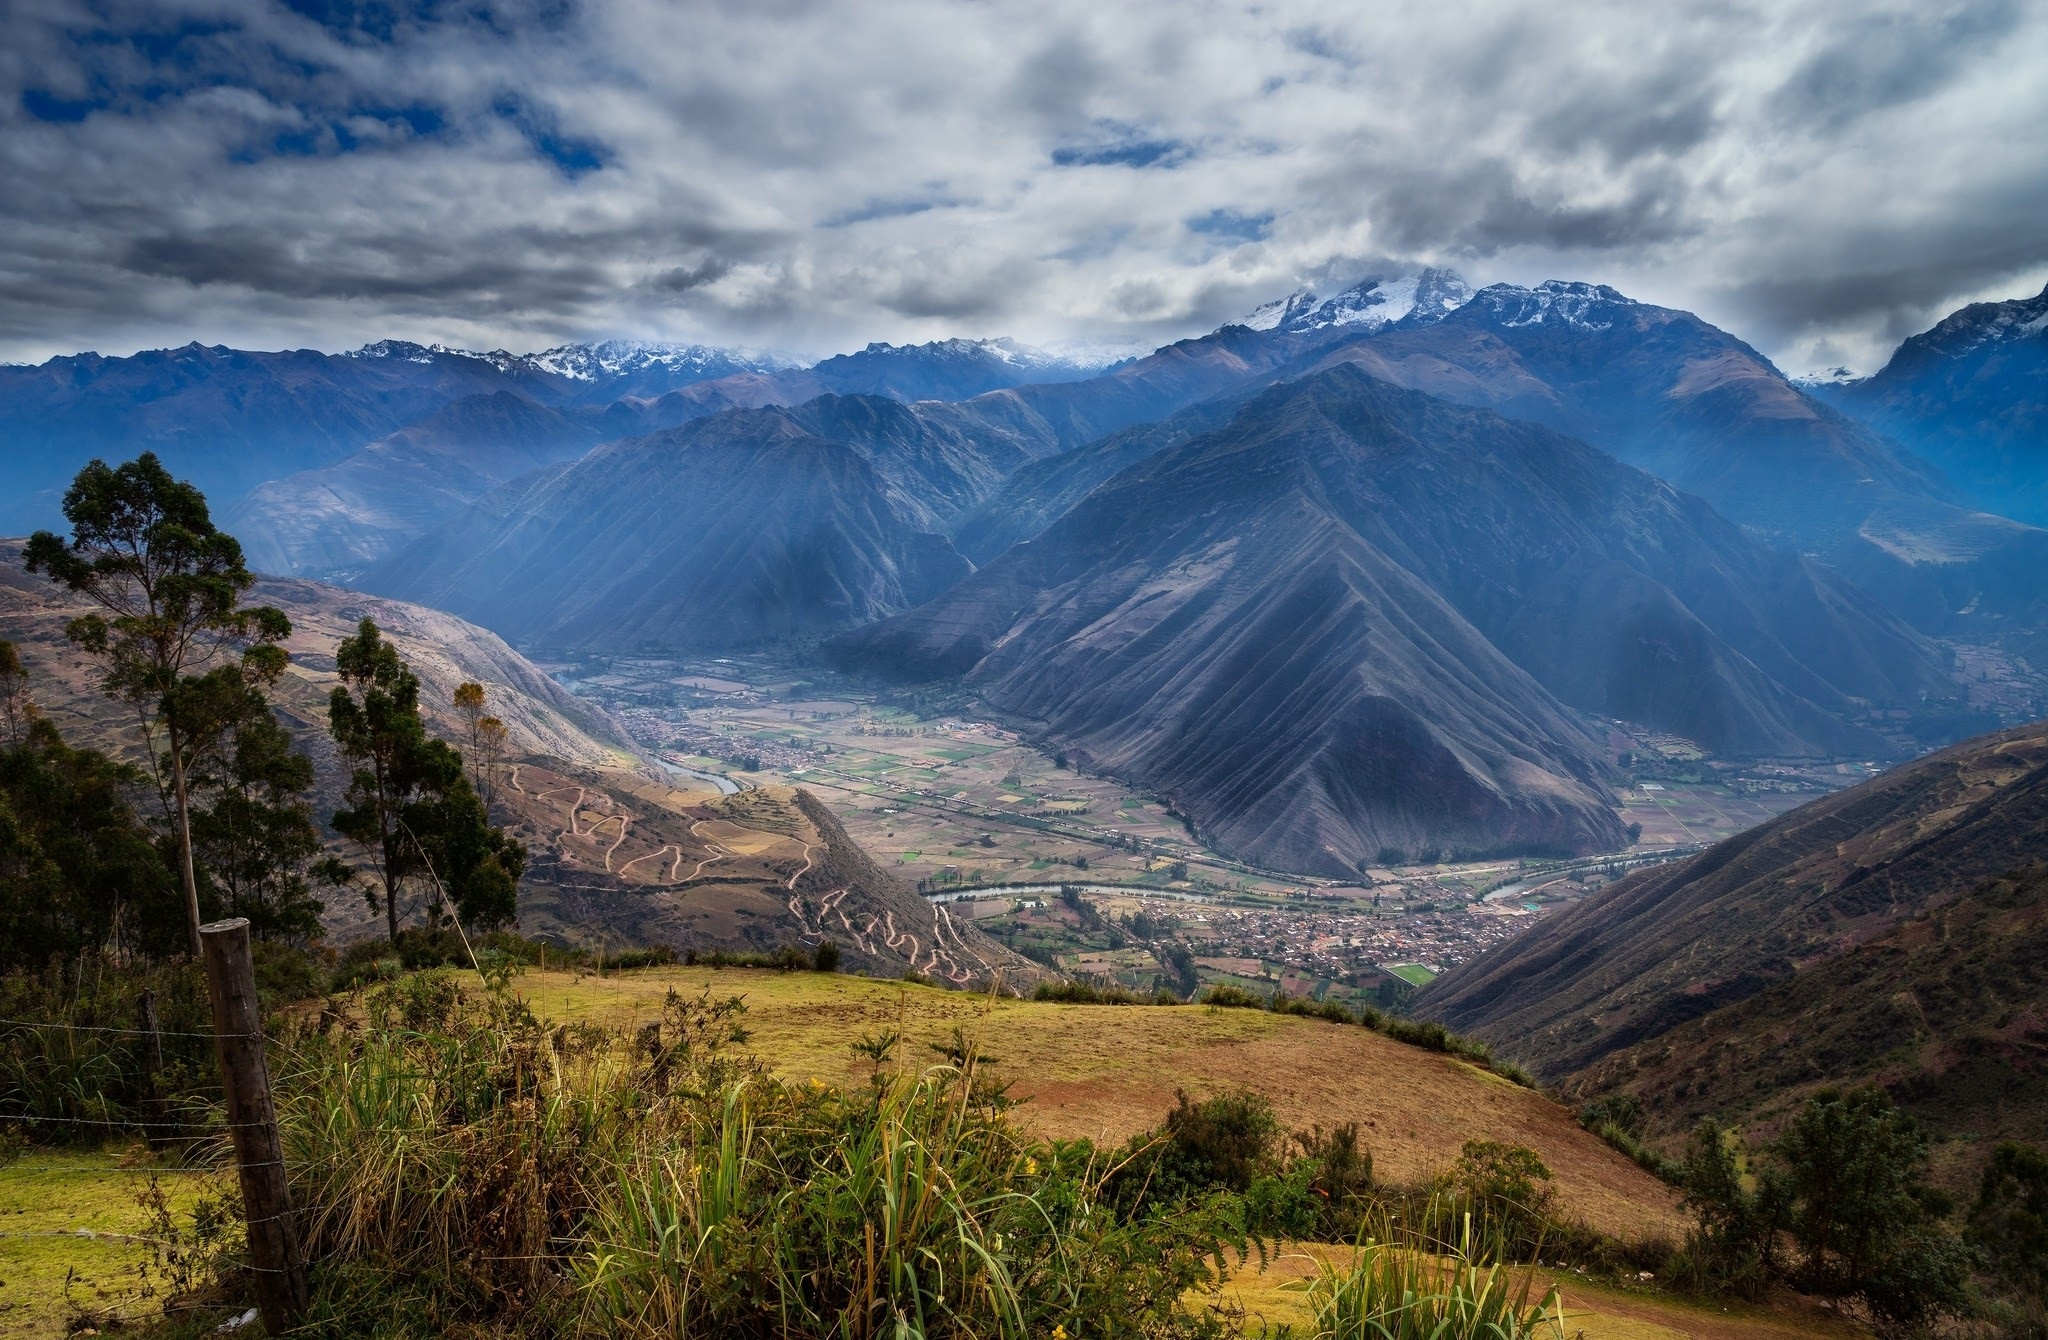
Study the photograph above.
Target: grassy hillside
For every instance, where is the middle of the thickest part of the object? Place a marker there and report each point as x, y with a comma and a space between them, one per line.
1107, 1071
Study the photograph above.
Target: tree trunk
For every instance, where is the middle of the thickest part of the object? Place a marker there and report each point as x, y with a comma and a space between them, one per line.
390, 888
185, 871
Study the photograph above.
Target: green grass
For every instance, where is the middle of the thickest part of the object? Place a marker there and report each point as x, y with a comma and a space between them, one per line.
1412, 973
51, 1273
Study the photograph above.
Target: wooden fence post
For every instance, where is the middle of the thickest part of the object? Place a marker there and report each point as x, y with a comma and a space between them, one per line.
252, 1120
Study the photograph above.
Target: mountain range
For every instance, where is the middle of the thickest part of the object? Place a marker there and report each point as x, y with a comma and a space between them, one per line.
231, 419
1450, 529
1283, 623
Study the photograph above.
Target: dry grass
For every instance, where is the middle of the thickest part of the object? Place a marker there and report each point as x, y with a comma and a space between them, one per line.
1275, 1294
1110, 1071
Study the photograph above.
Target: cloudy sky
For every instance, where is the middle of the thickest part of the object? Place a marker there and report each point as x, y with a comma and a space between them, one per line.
1821, 178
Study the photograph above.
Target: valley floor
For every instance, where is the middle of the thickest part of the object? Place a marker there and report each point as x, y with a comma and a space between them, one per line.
953, 801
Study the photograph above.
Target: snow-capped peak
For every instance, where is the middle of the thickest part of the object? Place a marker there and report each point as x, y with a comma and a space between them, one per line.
1557, 301
616, 358
1372, 304
1983, 323
1281, 311
1821, 378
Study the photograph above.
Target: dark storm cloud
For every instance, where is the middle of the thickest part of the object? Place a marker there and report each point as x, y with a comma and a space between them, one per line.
1819, 176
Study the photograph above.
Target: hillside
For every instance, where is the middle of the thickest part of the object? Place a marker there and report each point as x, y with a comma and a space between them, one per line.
1892, 931
1343, 625
742, 528
1107, 1072
1971, 395
342, 518
615, 856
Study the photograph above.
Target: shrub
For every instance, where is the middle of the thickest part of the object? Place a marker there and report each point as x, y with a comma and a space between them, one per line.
1313, 1009
2009, 1222
1402, 1287
1507, 1187
1230, 997
1221, 1143
1087, 993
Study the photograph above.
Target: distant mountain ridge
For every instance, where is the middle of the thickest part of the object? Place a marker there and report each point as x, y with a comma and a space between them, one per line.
1246, 620
231, 419
734, 530
338, 520
1665, 391
1971, 395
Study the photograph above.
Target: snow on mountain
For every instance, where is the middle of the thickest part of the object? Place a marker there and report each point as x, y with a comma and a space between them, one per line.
1979, 324
619, 358
606, 360
1823, 379
1560, 301
1373, 303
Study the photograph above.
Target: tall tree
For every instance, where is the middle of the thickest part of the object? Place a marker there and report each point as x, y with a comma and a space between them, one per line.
408, 803
486, 737
255, 834
168, 584
17, 708
78, 870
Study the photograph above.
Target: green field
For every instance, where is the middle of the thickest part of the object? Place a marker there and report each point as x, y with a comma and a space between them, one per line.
1411, 972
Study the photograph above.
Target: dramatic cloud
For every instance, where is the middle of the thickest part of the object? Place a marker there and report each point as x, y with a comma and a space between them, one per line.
1820, 177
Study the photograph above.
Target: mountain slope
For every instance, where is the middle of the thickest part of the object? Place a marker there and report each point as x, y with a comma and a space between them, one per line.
1971, 395
1804, 917
1285, 623
1663, 390
738, 529
340, 519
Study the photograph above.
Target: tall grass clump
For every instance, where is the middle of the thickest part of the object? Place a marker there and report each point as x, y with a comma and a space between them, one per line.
1402, 1285
464, 1167
74, 1066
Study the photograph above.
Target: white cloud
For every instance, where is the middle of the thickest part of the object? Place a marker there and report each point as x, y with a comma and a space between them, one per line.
1819, 177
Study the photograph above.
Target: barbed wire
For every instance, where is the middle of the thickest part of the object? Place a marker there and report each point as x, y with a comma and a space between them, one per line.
132, 1032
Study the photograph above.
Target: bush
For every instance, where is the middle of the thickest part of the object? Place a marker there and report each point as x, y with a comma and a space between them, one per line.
1065, 992
826, 957
2009, 1222
76, 1061
1230, 997
1219, 1144
1405, 1286
1506, 1189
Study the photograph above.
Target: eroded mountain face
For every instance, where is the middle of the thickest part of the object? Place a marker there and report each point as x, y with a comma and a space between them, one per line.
1351, 620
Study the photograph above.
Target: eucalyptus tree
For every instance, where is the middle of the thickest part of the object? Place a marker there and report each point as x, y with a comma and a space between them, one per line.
167, 585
